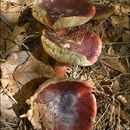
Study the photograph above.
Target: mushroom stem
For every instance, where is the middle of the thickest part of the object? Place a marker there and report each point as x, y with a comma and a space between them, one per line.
61, 32
60, 69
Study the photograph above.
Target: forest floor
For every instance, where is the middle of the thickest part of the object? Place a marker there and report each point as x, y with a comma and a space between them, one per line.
21, 53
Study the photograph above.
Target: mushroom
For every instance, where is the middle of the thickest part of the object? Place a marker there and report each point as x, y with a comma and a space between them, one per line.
103, 11
79, 47
62, 104
60, 69
63, 13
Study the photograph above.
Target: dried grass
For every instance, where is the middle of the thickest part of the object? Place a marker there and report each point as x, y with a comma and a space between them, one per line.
112, 114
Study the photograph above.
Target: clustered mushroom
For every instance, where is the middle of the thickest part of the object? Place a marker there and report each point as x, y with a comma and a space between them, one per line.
62, 103
63, 13
80, 47
103, 11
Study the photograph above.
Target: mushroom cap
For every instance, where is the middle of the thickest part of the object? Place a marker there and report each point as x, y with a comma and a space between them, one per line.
63, 13
63, 104
80, 47
103, 11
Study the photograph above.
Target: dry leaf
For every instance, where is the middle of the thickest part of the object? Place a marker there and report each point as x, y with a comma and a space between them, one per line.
20, 68
3, 31
124, 50
16, 1
29, 2
92, 82
112, 108
84, 76
116, 86
118, 9
19, 30
9, 13
121, 21
122, 114
119, 126
5, 108
14, 40
11, 47
30, 70
21, 75
19, 34
113, 63
7, 41
111, 50
37, 116
89, 80
126, 36
40, 53
122, 99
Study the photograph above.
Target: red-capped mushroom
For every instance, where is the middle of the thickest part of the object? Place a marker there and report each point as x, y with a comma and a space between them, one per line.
62, 104
63, 13
80, 47
103, 11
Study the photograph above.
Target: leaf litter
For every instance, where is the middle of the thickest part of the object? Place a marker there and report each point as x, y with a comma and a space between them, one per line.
24, 64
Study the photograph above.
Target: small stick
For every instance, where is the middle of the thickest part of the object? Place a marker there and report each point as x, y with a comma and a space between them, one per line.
6, 124
114, 43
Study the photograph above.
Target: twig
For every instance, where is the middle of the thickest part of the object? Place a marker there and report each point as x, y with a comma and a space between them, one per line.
114, 43
97, 91
120, 76
102, 33
127, 91
102, 115
3, 60
107, 57
24, 7
6, 124
11, 97
127, 60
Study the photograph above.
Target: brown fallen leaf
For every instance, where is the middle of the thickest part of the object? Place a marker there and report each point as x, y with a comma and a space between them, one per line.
89, 80
5, 108
16, 1
20, 68
19, 34
8, 41
38, 115
30, 70
126, 36
11, 47
18, 30
122, 99
116, 86
3, 31
113, 63
118, 9
121, 21
28, 2
119, 126
21, 75
121, 114
40, 53
9, 13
